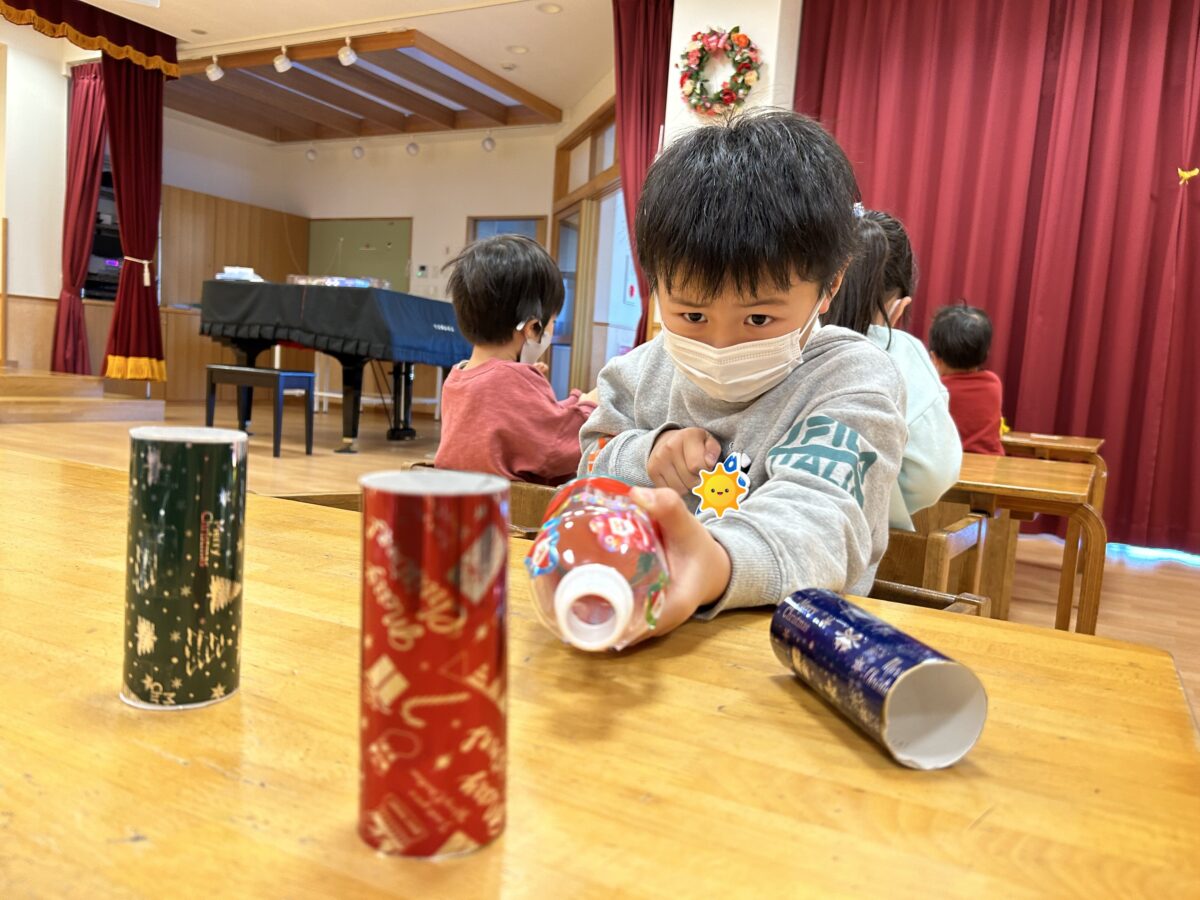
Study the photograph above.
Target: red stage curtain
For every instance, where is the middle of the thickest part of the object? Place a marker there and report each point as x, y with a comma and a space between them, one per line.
94, 29
642, 31
1031, 150
85, 160
134, 97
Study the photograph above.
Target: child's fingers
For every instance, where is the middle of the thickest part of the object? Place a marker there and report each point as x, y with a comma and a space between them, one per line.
695, 453
667, 508
712, 452
687, 477
664, 475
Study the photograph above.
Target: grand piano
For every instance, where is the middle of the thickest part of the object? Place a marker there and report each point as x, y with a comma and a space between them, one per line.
353, 325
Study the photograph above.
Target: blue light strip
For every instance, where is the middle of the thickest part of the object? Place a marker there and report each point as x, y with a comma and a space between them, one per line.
1153, 555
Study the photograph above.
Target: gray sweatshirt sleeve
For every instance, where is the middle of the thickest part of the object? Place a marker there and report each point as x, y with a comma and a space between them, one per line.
610, 443
820, 519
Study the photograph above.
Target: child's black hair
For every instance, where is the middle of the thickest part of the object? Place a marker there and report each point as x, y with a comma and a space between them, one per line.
500, 282
961, 336
755, 203
882, 270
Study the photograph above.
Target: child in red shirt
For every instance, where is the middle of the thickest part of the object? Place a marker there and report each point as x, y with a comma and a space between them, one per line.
959, 341
499, 413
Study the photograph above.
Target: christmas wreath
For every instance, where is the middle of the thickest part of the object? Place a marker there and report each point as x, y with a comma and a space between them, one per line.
741, 52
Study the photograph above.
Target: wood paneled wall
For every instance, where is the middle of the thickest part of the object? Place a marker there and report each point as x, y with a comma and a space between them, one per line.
201, 234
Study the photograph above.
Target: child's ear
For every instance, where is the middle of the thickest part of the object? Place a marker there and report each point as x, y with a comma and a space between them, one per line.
835, 285
898, 310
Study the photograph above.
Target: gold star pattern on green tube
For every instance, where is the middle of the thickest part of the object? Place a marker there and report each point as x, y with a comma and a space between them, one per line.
183, 596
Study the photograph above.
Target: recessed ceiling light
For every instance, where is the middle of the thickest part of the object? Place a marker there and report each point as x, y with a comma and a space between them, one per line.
508, 66
199, 31
518, 49
549, 9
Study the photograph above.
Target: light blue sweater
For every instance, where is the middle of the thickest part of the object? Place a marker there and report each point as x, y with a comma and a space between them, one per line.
933, 454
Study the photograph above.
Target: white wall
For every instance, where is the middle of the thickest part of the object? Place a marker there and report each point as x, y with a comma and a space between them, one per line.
34, 158
451, 179
209, 159
774, 25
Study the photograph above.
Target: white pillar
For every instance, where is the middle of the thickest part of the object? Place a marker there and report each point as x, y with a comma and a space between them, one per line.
774, 25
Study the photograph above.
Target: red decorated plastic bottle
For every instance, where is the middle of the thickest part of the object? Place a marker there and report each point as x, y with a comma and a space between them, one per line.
597, 566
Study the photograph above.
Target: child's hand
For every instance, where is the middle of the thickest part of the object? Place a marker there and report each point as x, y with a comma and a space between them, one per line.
592, 396
698, 564
678, 456
542, 368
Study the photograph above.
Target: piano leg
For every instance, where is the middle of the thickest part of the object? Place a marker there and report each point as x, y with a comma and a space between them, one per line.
352, 379
402, 394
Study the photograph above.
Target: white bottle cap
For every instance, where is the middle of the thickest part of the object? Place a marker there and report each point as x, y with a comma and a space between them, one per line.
593, 580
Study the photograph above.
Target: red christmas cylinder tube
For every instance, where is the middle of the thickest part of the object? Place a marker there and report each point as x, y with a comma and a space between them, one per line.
434, 629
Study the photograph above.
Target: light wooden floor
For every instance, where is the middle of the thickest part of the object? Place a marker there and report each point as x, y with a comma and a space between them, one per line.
107, 444
1147, 603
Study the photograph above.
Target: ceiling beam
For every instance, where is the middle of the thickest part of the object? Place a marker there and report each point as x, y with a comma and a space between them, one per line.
370, 43
363, 80
276, 97
246, 108
387, 120
202, 108
548, 111
420, 74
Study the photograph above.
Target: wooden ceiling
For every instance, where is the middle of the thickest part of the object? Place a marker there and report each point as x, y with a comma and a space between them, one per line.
403, 82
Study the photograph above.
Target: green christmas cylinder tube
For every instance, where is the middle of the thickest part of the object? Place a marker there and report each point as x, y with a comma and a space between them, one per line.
183, 594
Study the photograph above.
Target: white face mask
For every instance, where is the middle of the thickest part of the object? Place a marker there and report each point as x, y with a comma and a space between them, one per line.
534, 350
744, 371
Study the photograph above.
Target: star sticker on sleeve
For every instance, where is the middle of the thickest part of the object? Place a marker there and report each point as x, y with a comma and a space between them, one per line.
148, 682
218, 692
185, 591
176, 683
176, 637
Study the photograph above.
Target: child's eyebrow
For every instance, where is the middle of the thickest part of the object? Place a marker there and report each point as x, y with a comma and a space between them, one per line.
764, 301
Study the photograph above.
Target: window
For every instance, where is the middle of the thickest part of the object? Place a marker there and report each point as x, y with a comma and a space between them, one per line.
480, 227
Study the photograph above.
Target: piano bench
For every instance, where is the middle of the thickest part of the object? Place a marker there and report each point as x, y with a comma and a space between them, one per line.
277, 380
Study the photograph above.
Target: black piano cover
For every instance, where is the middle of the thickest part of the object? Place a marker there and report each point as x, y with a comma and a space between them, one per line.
363, 322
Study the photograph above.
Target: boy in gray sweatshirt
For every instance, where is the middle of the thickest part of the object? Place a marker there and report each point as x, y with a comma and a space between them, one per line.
744, 230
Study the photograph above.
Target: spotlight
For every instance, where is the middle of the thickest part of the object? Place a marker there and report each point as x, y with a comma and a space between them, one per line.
281, 62
413, 148
549, 9
358, 152
518, 49
311, 154
488, 143
346, 55
214, 71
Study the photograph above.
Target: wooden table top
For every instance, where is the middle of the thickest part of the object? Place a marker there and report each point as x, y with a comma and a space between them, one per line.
693, 766
1072, 444
1024, 477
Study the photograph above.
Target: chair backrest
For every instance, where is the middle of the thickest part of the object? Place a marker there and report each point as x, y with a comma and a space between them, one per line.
965, 604
527, 506
527, 503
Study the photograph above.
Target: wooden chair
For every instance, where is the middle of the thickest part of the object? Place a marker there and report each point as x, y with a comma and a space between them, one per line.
931, 555
527, 506
963, 604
